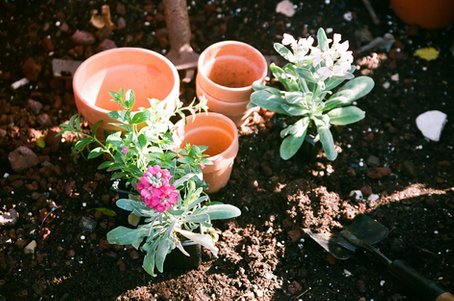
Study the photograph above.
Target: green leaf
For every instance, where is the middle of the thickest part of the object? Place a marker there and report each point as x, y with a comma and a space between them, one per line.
126, 236
148, 263
322, 39
142, 140
164, 247
82, 143
352, 90
346, 115
95, 127
222, 211
105, 164
290, 145
326, 138
296, 134
284, 52
197, 218
140, 117
96, 152
266, 100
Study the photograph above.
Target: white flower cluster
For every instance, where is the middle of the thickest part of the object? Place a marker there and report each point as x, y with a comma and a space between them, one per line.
325, 63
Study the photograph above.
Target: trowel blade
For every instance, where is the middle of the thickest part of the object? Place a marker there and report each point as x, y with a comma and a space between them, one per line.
329, 242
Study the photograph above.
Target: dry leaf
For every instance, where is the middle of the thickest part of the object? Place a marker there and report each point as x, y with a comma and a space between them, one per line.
428, 53
103, 20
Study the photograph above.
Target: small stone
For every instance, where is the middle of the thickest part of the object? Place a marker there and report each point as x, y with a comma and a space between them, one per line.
373, 198
34, 106
373, 161
286, 8
30, 248
44, 119
88, 224
294, 287
366, 190
121, 23
80, 37
431, 124
47, 44
71, 253
120, 9
378, 172
106, 44
357, 195
31, 69
9, 218
22, 158
294, 235
121, 265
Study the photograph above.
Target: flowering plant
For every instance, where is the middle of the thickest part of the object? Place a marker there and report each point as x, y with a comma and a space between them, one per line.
308, 82
166, 181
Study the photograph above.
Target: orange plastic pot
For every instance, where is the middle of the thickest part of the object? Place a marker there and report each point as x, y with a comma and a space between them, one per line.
220, 135
424, 13
226, 71
148, 73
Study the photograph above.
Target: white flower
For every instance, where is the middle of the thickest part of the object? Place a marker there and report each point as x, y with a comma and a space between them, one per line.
288, 39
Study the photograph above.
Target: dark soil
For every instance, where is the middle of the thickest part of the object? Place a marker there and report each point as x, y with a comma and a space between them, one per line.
264, 253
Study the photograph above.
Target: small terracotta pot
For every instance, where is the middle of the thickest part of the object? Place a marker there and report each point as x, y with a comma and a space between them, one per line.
148, 73
220, 134
226, 71
424, 13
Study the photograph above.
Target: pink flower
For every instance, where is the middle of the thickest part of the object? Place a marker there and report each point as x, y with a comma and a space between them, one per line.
155, 189
124, 150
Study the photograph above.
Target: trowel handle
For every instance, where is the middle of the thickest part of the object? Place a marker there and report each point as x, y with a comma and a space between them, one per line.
427, 289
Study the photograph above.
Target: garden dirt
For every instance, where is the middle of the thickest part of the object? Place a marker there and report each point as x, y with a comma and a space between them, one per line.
406, 181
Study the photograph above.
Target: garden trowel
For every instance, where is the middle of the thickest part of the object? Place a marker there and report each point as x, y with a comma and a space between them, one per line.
363, 233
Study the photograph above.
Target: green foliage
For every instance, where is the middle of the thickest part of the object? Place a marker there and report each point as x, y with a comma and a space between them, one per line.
145, 138
308, 95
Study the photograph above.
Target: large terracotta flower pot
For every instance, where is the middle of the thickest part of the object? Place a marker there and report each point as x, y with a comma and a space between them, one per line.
148, 73
226, 71
425, 13
220, 134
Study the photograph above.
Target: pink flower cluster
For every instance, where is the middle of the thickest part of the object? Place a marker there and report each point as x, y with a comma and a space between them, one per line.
155, 189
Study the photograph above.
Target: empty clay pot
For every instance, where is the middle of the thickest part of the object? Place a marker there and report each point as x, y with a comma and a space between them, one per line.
148, 73
220, 135
427, 14
226, 71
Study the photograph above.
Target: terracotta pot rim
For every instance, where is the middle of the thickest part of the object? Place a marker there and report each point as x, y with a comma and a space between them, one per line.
75, 83
231, 149
230, 42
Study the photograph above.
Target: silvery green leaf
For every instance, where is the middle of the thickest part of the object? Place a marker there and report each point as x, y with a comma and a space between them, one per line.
289, 146
180, 247
268, 101
284, 52
294, 97
322, 39
352, 90
197, 218
202, 239
179, 182
294, 140
222, 211
126, 236
346, 115
294, 110
149, 259
326, 138
165, 245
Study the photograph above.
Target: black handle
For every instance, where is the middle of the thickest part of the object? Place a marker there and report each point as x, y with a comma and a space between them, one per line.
423, 287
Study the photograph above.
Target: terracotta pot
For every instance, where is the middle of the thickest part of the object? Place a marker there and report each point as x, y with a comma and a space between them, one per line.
226, 71
220, 134
424, 13
148, 73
